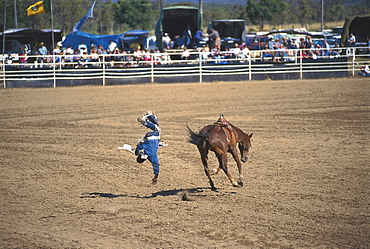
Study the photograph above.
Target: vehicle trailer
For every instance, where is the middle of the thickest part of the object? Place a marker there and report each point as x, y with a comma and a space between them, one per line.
232, 31
174, 21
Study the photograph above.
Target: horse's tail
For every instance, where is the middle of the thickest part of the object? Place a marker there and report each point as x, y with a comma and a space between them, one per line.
195, 138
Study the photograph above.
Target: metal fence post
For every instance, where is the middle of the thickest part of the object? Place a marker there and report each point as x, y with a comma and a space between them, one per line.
200, 67
300, 64
250, 67
103, 69
152, 67
4, 71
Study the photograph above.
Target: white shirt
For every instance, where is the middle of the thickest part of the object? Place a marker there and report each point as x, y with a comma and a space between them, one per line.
112, 46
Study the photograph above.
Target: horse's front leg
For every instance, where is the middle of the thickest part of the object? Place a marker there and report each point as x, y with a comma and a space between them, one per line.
234, 152
222, 158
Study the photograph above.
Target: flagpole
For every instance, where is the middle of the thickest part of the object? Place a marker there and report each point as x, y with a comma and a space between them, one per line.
52, 40
3, 57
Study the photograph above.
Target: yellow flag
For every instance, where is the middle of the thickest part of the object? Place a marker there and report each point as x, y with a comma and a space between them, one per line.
37, 8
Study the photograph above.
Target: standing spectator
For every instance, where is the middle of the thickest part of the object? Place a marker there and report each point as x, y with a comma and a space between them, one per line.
112, 46
294, 44
351, 41
43, 52
82, 48
199, 37
92, 46
270, 44
326, 49
188, 36
22, 57
308, 43
215, 36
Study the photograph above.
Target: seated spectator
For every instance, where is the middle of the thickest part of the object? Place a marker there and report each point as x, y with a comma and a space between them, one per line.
166, 58
267, 53
157, 56
167, 42
335, 52
280, 53
135, 46
351, 41
245, 52
138, 55
318, 52
70, 50
68, 59
9, 59
84, 60
204, 54
365, 70
235, 51
116, 55
94, 56
185, 54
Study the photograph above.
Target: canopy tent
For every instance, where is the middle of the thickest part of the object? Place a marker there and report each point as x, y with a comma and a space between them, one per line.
359, 26
34, 36
129, 37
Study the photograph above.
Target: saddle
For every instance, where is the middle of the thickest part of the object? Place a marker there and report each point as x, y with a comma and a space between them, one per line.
222, 122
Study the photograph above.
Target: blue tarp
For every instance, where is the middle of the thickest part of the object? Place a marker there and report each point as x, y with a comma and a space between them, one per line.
75, 39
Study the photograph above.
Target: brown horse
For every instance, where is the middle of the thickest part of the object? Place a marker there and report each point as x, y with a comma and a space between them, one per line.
221, 138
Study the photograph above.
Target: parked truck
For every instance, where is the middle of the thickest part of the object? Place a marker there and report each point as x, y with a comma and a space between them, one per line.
232, 31
174, 21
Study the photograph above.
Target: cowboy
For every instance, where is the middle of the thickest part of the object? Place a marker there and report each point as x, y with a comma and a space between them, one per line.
147, 146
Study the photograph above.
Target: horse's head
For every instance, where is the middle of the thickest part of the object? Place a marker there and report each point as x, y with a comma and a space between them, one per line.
244, 146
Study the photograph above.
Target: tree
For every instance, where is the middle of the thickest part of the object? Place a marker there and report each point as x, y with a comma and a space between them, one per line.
137, 14
265, 10
304, 12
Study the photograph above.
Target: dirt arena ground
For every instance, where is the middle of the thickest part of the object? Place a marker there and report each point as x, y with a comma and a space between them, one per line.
64, 183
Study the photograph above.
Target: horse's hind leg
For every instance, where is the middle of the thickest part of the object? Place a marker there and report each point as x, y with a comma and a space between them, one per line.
204, 156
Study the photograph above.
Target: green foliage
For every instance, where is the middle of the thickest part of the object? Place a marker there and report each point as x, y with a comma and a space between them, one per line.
265, 10
137, 14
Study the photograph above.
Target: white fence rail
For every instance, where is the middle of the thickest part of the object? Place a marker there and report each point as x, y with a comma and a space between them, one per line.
57, 70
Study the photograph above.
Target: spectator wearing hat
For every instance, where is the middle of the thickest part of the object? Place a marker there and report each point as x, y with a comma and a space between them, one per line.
167, 42
43, 52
